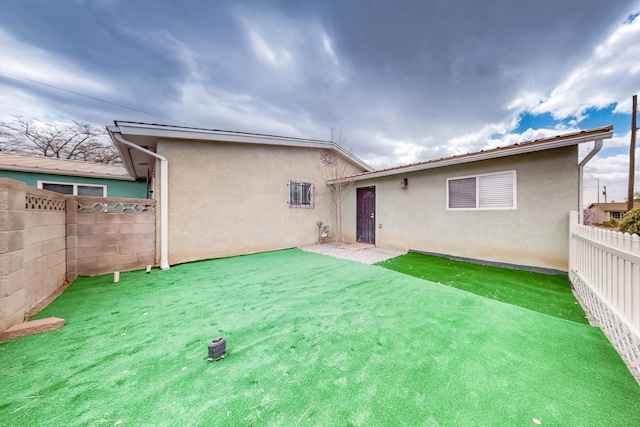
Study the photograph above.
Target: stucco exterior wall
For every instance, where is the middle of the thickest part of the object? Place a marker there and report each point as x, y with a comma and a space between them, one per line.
534, 234
230, 199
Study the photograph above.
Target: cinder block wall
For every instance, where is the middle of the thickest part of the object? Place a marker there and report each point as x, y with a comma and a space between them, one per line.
114, 234
12, 196
44, 260
48, 238
32, 248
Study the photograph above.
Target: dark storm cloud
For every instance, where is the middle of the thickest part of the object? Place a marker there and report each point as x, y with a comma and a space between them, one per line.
399, 78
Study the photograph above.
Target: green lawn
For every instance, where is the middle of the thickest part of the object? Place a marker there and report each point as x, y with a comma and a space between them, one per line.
545, 293
312, 341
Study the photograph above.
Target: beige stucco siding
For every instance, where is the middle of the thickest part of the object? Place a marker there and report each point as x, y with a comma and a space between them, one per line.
231, 199
534, 234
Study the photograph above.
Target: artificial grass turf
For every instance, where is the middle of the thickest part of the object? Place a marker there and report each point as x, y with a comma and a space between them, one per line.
545, 293
311, 340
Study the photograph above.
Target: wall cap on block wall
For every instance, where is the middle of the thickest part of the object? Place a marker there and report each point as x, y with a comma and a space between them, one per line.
32, 327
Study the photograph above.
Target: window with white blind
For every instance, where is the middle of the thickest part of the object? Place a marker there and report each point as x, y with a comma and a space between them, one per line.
74, 188
487, 191
300, 194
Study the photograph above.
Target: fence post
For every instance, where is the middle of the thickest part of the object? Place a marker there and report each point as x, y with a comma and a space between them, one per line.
12, 273
573, 225
72, 238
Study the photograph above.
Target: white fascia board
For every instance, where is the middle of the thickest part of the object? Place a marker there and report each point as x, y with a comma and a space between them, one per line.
475, 157
124, 155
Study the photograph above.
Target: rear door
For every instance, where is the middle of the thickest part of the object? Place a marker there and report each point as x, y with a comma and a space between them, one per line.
366, 211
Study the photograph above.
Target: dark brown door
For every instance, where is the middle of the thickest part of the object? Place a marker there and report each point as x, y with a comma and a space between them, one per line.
366, 207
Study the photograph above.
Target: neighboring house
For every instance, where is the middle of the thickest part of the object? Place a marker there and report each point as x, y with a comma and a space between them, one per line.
508, 205
605, 211
71, 176
229, 193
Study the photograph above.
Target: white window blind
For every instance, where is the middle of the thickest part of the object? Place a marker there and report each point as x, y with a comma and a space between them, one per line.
495, 191
74, 188
488, 191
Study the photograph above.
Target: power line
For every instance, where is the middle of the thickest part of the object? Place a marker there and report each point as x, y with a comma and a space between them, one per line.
84, 95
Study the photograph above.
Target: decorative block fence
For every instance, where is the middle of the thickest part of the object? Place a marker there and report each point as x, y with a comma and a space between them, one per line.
604, 268
47, 239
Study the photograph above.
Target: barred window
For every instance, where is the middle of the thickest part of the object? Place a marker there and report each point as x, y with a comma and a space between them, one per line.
300, 194
488, 191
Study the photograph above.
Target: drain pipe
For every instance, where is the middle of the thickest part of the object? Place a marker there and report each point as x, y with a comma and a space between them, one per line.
164, 199
596, 147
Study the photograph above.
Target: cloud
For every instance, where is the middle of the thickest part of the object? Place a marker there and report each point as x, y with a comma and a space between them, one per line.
404, 83
610, 76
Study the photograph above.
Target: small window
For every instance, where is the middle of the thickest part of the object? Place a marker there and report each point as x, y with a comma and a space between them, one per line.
488, 191
300, 194
74, 189
616, 215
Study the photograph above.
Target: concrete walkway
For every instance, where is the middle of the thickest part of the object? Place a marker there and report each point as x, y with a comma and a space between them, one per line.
360, 252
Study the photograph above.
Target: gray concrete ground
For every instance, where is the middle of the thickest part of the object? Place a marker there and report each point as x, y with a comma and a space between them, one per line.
360, 252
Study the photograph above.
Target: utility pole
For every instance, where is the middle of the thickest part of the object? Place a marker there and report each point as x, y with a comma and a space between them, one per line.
604, 193
632, 153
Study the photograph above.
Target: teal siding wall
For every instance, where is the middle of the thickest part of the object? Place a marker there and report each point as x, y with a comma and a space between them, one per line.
115, 187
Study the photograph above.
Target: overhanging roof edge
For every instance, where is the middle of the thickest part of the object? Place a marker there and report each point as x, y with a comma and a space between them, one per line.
177, 133
522, 148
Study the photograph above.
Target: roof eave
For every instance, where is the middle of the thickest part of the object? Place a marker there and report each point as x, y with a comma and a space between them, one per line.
67, 173
497, 153
179, 133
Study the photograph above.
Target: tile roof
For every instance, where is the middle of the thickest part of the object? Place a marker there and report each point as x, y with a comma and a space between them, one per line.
529, 146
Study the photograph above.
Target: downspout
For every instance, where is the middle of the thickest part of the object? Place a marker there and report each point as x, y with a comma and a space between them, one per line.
596, 147
164, 199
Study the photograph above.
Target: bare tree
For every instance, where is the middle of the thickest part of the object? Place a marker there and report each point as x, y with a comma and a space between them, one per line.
77, 141
332, 169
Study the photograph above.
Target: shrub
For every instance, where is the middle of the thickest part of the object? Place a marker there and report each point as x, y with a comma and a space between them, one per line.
589, 216
613, 222
631, 222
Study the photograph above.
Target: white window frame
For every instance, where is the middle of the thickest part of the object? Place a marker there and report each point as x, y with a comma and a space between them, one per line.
75, 186
477, 207
296, 188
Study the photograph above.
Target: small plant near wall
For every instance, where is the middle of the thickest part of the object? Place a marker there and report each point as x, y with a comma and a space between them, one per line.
631, 222
332, 168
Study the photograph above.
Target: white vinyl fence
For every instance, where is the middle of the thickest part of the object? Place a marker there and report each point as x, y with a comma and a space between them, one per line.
604, 268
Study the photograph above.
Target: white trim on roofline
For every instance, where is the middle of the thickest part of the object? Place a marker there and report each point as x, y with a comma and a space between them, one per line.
522, 148
179, 132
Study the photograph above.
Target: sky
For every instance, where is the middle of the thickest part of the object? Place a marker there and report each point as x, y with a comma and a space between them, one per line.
401, 81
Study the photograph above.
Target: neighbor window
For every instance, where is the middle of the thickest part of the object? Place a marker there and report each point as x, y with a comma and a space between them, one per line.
487, 191
616, 215
300, 194
74, 189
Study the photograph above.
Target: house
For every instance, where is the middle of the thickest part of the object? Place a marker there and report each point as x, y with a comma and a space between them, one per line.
507, 205
223, 193
229, 193
605, 211
75, 177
